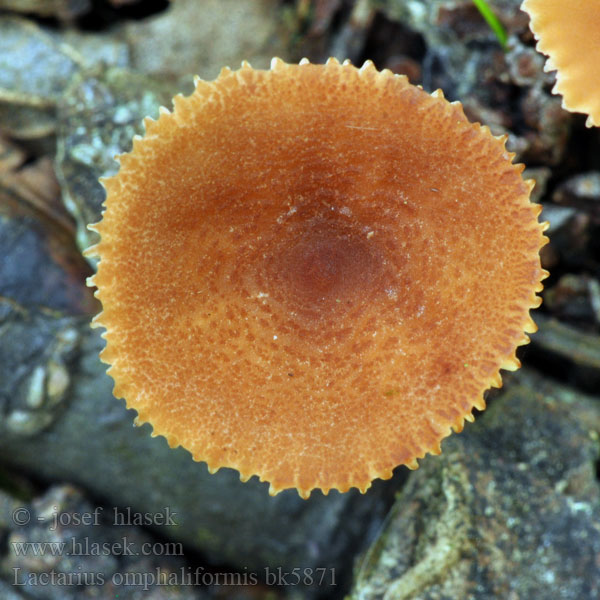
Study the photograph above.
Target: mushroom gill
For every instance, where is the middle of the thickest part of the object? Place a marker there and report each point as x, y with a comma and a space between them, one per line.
312, 273
568, 31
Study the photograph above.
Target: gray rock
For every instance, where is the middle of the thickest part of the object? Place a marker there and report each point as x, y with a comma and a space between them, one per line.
61, 547
199, 38
37, 270
37, 65
582, 192
557, 216
8, 592
41, 298
511, 509
36, 350
34, 67
98, 115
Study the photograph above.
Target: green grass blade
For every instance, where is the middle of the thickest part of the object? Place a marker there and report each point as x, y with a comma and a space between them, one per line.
492, 21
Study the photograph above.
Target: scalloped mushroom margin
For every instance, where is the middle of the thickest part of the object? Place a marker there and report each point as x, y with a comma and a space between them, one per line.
590, 105
509, 362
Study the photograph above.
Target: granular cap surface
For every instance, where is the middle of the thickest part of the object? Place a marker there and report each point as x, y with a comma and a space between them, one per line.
313, 273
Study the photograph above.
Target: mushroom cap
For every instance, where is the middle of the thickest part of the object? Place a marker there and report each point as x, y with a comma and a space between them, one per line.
568, 32
312, 273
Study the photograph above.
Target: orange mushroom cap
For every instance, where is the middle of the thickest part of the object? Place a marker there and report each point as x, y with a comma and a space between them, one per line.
568, 31
313, 273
